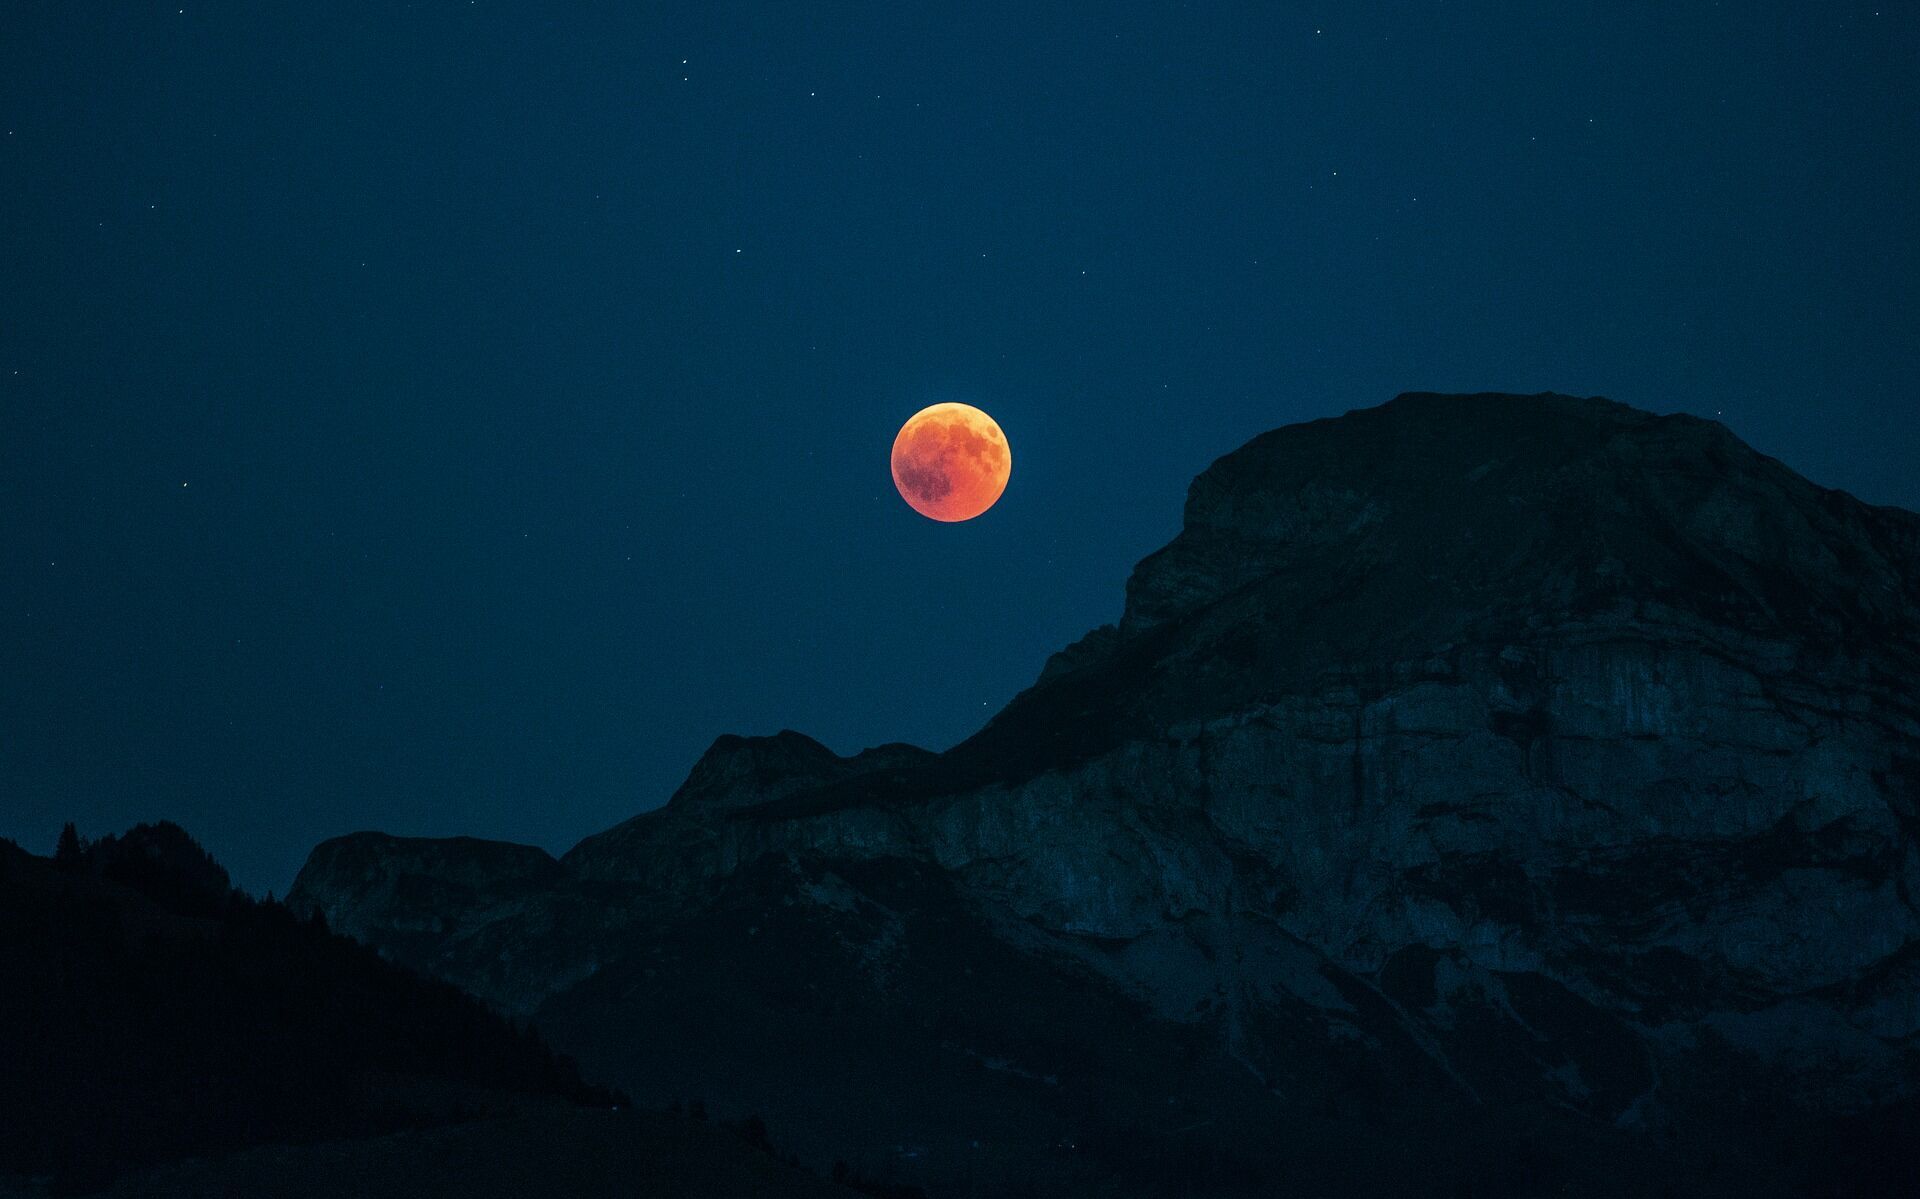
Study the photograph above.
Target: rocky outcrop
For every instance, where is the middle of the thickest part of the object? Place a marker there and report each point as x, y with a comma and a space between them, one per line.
478, 912
1531, 750
735, 773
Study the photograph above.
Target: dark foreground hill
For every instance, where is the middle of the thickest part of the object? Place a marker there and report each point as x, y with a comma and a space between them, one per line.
563, 1151
1481, 795
149, 1013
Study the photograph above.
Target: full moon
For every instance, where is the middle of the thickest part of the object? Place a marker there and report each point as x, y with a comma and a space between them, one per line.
951, 462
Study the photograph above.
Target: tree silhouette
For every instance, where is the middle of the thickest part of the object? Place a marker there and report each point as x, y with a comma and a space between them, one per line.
69, 853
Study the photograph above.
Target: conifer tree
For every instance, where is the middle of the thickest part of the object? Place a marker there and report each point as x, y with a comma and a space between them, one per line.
67, 853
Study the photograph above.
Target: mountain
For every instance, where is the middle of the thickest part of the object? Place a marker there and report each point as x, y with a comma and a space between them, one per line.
163, 1034
1480, 795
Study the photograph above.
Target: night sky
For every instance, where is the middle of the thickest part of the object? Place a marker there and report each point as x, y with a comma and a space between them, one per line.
448, 418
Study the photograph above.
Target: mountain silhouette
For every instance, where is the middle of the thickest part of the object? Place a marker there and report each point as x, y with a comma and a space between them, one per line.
1480, 795
163, 1035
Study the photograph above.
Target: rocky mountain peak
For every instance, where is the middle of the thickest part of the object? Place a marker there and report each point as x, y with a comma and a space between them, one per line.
1520, 749
1550, 495
736, 774
738, 770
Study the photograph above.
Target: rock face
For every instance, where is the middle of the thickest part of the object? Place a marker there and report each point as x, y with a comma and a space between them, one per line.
1530, 754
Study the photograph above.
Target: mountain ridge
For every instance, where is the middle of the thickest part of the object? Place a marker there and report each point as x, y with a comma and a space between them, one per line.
1533, 751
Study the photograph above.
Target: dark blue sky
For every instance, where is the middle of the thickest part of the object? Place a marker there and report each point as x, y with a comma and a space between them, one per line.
447, 418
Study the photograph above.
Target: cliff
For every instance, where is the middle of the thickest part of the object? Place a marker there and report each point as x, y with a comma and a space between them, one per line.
1536, 753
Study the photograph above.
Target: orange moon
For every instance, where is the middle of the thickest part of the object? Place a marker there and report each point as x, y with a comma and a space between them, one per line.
951, 462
